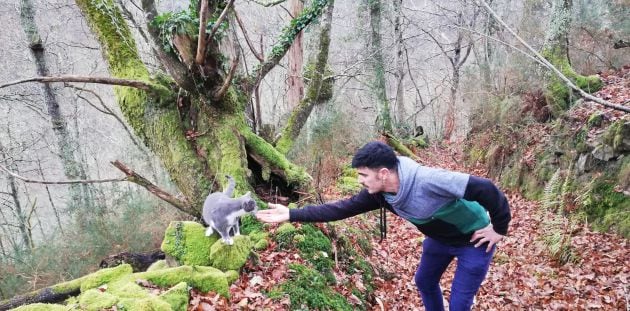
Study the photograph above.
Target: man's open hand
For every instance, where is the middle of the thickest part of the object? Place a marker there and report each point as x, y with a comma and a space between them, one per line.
276, 213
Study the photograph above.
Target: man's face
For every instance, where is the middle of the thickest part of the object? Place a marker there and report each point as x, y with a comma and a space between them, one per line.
371, 179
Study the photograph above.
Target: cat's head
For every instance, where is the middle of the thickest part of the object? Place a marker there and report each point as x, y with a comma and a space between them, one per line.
249, 205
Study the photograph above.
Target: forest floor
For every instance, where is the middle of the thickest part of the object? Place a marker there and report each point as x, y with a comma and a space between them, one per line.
522, 276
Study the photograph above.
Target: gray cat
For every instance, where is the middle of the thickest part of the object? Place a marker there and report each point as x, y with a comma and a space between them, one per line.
221, 212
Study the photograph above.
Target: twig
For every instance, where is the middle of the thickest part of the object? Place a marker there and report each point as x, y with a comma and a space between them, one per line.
62, 182
249, 43
228, 80
73, 78
165, 196
268, 4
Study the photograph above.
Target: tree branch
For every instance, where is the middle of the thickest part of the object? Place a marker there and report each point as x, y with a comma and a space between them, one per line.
201, 41
135, 178
289, 33
63, 182
228, 80
547, 64
220, 20
249, 43
269, 3
259, 56
174, 67
440, 46
73, 78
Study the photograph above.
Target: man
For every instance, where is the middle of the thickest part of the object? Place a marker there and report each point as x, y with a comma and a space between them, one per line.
462, 216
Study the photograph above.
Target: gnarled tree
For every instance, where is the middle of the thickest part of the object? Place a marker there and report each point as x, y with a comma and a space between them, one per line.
192, 116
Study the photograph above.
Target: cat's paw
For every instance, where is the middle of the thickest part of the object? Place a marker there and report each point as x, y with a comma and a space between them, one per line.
209, 231
228, 241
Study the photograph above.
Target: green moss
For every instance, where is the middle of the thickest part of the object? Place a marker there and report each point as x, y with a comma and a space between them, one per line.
158, 265
607, 208
43, 307
127, 288
105, 276
250, 225
590, 84
295, 175
123, 58
231, 257
558, 94
595, 120
144, 304
616, 133
186, 242
284, 235
202, 278
94, 300
260, 240
317, 249
177, 297
307, 288
231, 276
177, 155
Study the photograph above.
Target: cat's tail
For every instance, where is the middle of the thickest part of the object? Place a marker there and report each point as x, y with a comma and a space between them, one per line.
230, 188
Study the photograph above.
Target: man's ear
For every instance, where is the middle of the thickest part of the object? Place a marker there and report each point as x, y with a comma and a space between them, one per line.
383, 172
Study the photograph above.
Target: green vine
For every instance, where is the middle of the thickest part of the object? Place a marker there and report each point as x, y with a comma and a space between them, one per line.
297, 24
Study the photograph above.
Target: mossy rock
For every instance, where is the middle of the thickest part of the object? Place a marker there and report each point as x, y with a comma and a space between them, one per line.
152, 303
187, 243
259, 239
203, 278
105, 276
618, 136
284, 235
231, 257
177, 297
43, 307
158, 265
127, 289
232, 275
95, 299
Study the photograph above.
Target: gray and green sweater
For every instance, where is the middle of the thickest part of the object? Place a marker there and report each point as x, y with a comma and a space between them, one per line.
444, 205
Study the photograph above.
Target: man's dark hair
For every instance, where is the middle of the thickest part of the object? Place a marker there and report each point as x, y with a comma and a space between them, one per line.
375, 155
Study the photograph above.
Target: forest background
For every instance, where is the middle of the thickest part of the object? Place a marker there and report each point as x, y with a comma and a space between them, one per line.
417, 72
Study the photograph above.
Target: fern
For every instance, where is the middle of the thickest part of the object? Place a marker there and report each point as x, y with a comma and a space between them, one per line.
556, 227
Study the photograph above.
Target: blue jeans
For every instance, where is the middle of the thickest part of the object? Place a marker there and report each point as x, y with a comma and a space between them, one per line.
472, 266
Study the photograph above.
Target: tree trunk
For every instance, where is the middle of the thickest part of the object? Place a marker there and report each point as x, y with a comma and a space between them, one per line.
317, 87
384, 121
17, 210
457, 62
400, 64
44, 295
198, 138
79, 193
556, 51
295, 83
